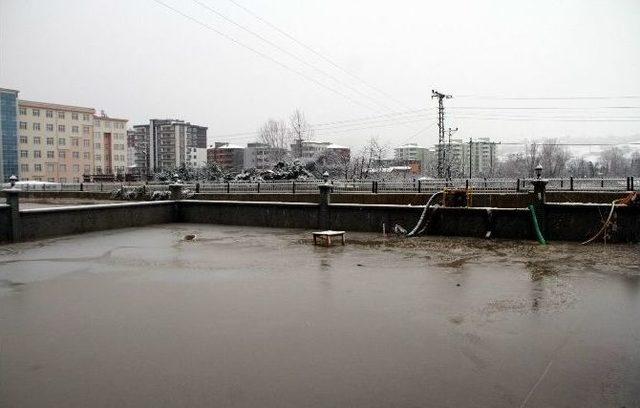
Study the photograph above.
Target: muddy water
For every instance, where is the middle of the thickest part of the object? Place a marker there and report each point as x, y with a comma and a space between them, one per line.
250, 317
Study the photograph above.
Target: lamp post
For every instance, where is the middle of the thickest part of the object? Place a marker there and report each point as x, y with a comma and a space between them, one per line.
13, 180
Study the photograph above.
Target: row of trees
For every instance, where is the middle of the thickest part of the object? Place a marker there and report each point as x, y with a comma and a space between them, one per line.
558, 161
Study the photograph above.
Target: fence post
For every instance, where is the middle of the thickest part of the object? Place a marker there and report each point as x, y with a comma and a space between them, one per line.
228, 187
258, 187
198, 187
561, 184
466, 184
601, 183
571, 183
293, 187
632, 189
419, 186
81, 186
373, 187
101, 186
517, 185
13, 199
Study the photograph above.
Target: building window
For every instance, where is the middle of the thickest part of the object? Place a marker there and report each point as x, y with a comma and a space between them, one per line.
37, 167
62, 141
62, 154
51, 179
62, 168
63, 179
76, 168
76, 179
35, 112
98, 169
96, 145
49, 127
85, 117
36, 126
98, 157
87, 169
50, 141
75, 141
85, 130
49, 114
74, 116
24, 168
60, 115
23, 111
51, 167
50, 154
24, 153
74, 129
37, 154
75, 155
61, 128
23, 139
23, 125
86, 143
85, 155
36, 140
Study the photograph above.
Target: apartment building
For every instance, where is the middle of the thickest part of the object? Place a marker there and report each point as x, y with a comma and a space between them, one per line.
8, 134
311, 149
418, 158
109, 145
166, 144
55, 141
262, 156
474, 158
226, 155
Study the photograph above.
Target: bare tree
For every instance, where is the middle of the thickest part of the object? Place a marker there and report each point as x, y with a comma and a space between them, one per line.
614, 163
554, 158
300, 130
278, 136
373, 154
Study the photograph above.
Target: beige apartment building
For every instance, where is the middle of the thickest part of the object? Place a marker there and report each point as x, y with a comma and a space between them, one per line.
54, 141
62, 143
109, 145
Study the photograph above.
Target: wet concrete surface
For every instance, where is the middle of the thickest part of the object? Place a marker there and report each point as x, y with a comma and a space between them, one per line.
257, 317
61, 202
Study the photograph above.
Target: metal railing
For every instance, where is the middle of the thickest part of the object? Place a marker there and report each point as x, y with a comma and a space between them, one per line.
359, 186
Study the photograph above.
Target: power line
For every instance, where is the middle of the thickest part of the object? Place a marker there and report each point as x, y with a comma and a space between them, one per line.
263, 55
441, 152
310, 49
292, 55
551, 98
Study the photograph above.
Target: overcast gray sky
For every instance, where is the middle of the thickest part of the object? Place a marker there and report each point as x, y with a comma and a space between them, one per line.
139, 59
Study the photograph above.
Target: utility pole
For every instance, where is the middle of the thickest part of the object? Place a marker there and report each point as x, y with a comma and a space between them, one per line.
470, 157
441, 153
448, 153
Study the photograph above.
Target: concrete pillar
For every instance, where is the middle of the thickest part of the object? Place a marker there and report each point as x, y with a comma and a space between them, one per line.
13, 199
176, 191
323, 209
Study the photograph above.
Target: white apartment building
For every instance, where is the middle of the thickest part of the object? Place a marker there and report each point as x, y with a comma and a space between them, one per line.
477, 155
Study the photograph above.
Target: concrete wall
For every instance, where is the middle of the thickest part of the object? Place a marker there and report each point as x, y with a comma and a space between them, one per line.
572, 222
5, 220
47, 222
261, 214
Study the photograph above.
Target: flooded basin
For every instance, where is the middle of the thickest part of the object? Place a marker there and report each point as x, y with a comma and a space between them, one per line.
220, 316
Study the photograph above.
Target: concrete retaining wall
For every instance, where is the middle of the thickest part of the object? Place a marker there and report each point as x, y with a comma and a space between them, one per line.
47, 222
572, 222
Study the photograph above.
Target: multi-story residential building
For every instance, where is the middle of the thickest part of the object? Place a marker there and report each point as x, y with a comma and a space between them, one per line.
413, 155
226, 155
166, 144
8, 134
55, 141
262, 156
311, 149
109, 145
475, 158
